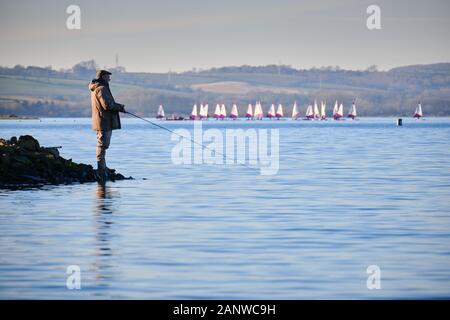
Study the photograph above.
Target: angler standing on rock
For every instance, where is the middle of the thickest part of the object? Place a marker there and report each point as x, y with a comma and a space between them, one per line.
105, 115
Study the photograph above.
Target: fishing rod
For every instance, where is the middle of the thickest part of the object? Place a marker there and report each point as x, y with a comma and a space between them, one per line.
197, 143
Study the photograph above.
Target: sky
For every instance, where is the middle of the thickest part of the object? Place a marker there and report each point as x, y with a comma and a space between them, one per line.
179, 35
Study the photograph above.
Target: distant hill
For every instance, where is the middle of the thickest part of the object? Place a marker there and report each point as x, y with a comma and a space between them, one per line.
36, 91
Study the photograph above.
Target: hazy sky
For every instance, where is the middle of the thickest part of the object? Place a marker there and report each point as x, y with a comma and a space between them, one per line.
156, 36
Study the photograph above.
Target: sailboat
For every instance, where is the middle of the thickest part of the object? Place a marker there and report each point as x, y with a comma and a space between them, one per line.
341, 110
279, 113
418, 113
309, 113
352, 111
203, 111
200, 112
271, 112
234, 112
335, 109
295, 112
316, 114
223, 112
194, 112
160, 113
249, 113
338, 111
258, 111
217, 111
323, 113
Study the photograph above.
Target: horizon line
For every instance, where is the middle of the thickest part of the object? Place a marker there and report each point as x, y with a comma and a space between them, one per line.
197, 69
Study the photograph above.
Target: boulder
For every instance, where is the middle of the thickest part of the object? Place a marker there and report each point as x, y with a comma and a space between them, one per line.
29, 143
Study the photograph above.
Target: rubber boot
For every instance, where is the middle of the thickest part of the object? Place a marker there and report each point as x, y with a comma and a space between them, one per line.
101, 169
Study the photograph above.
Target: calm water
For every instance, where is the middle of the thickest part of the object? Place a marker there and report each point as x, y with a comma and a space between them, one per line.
347, 195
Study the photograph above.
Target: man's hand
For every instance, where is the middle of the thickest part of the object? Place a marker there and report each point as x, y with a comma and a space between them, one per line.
122, 108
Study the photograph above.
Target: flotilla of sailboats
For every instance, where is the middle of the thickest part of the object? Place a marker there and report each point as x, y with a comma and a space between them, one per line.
313, 112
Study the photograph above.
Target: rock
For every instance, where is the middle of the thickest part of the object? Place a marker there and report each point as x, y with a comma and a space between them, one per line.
53, 151
24, 162
29, 143
21, 159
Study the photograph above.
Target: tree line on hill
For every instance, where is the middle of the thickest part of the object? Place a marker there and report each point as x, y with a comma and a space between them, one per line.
395, 92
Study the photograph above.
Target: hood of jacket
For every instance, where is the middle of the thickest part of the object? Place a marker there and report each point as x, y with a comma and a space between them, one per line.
95, 83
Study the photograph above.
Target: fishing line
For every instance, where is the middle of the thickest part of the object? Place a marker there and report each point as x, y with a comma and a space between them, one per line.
193, 141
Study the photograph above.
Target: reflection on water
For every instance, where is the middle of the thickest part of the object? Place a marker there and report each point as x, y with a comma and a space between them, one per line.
104, 209
104, 212
347, 195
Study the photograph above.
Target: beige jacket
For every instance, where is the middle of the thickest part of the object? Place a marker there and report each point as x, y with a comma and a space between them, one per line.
105, 111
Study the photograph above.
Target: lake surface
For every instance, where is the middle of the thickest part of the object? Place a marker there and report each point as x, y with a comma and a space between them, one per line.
348, 194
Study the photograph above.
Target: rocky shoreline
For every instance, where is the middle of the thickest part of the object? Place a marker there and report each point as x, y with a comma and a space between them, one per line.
23, 162
15, 117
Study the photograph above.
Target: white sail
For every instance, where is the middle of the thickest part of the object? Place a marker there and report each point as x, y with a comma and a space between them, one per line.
217, 111
160, 113
323, 113
294, 111
271, 112
316, 110
223, 111
258, 110
280, 110
203, 111
418, 113
249, 112
194, 112
335, 109
340, 112
352, 111
309, 112
234, 111
200, 112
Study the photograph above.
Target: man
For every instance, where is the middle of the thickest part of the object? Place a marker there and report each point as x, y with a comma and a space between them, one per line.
105, 115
